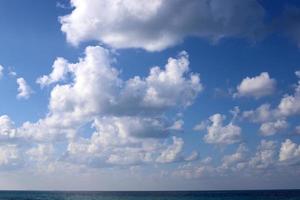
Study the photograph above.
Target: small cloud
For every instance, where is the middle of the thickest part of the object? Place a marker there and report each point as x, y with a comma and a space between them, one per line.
63, 5
298, 73
193, 156
177, 126
257, 87
201, 126
217, 133
1, 71
24, 90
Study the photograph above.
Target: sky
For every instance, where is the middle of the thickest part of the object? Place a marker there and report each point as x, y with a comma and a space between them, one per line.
149, 95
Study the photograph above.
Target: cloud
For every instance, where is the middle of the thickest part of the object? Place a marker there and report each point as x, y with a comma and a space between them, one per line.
289, 105
201, 126
7, 130
177, 126
297, 73
129, 123
237, 160
219, 134
275, 119
97, 89
263, 113
172, 153
265, 156
155, 26
270, 128
1, 71
257, 87
192, 157
24, 90
289, 151
59, 72
198, 170
10, 156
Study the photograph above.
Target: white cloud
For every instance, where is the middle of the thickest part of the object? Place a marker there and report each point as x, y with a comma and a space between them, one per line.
10, 157
237, 160
172, 153
257, 86
275, 119
198, 170
177, 125
265, 156
201, 126
219, 134
128, 116
41, 152
290, 104
192, 157
270, 128
289, 151
1, 71
155, 26
59, 72
6, 128
24, 90
263, 113
97, 89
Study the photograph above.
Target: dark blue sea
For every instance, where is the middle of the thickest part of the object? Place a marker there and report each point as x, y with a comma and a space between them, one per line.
203, 195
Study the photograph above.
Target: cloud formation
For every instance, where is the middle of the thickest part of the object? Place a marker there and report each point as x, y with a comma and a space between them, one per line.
127, 119
24, 90
128, 24
217, 133
257, 87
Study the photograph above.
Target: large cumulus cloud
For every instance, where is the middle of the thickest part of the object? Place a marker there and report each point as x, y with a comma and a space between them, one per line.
156, 25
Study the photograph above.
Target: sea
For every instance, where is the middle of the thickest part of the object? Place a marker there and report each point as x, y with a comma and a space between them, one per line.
154, 195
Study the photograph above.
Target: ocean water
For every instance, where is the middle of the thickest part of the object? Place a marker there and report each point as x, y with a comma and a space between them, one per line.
203, 195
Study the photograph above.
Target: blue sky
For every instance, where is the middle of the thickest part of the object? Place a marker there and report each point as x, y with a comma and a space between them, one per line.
119, 97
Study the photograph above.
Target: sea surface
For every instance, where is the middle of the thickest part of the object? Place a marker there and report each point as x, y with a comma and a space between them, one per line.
203, 195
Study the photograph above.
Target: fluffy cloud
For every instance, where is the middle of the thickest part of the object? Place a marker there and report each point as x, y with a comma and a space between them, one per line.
155, 26
171, 154
126, 120
257, 86
289, 151
270, 128
128, 117
263, 113
265, 156
24, 90
97, 89
7, 130
237, 160
275, 119
217, 133
59, 72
